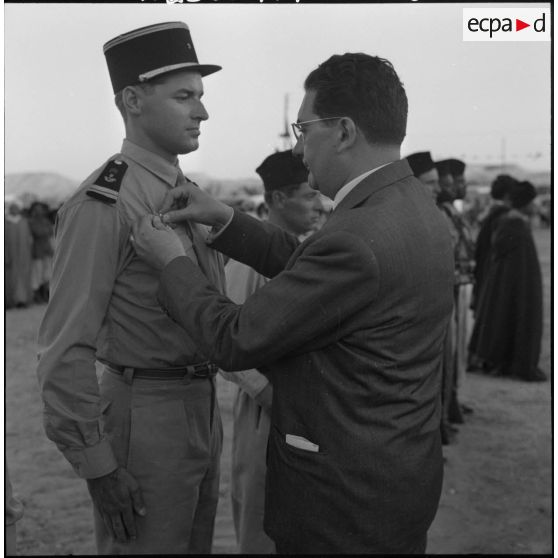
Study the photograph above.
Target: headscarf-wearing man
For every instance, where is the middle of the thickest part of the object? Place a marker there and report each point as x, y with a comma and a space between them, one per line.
508, 327
351, 324
294, 207
463, 254
148, 438
499, 192
18, 244
427, 172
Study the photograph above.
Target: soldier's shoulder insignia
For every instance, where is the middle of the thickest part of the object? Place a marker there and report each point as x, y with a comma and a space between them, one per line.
108, 183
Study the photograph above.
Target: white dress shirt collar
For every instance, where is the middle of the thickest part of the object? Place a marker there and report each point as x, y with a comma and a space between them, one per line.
344, 190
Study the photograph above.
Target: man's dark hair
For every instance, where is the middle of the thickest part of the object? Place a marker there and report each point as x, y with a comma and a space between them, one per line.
365, 88
501, 186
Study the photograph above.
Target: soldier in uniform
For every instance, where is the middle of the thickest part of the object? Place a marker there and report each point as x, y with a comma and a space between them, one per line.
147, 437
295, 207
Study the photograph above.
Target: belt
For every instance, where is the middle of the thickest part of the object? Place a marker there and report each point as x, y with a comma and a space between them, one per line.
201, 370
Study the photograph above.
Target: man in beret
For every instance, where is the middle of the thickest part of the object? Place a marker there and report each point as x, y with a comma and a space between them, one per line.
445, 200
423, 168
294, 207
148, 438
464, 267
428, 173
350, 325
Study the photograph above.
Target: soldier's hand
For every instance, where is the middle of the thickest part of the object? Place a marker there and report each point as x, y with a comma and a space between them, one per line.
155, 242
188, 202
117, 496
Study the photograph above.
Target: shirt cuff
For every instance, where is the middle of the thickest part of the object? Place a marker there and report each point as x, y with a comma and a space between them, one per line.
92, 462
217, 230
251, 381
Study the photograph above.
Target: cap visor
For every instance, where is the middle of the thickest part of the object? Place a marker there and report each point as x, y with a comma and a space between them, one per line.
203, 69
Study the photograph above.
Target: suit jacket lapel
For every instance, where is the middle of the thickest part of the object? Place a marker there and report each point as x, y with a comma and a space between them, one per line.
376, 181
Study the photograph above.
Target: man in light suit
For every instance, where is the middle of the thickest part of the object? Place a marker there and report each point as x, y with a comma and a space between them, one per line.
350, 326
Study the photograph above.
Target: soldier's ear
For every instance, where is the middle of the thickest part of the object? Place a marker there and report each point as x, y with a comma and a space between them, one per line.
132, 100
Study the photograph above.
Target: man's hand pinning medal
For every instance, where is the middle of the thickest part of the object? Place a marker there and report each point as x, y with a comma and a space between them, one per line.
155, 242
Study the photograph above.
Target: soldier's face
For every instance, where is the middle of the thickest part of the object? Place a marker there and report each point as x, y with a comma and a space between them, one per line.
171, 113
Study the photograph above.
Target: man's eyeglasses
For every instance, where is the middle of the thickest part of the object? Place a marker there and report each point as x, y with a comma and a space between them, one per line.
298, 129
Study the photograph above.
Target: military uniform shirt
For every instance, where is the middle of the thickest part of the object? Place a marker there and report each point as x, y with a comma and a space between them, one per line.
103, 306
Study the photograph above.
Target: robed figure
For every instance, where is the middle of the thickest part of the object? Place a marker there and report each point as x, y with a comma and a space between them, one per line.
508, 328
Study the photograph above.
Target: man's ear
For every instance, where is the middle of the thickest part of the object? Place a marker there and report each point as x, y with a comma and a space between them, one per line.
278, 198
132, 99
348, 133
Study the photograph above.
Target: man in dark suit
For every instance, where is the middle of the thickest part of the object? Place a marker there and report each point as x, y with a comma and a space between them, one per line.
351, 324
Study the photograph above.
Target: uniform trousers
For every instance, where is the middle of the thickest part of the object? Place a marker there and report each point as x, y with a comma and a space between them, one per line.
168, 435
251, 431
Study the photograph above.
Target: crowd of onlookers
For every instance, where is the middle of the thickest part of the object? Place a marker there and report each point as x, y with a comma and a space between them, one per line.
28, 251
496, 327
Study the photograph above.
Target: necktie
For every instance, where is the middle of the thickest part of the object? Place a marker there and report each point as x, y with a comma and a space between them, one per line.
209, 261
183, 229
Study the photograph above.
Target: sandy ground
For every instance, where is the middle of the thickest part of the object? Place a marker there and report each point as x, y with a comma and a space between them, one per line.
497, 494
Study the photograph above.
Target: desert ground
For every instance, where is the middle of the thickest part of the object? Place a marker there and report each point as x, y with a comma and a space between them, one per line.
497, 493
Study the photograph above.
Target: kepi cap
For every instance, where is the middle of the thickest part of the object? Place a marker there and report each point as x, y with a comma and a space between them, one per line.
420, 162
282, 169
148, 52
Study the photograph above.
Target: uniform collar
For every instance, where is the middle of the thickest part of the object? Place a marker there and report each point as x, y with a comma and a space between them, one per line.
151, 161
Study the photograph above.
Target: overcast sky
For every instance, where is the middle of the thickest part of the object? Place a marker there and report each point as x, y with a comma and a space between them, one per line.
478, 101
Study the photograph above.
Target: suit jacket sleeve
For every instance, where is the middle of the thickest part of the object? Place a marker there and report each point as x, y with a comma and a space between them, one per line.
303, 308
262, 246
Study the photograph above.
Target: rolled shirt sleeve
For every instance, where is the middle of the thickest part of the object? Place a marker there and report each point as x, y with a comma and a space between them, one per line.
251, 381
85, 266
243, 281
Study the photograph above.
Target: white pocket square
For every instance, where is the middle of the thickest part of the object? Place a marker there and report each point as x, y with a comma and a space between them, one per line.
301, 443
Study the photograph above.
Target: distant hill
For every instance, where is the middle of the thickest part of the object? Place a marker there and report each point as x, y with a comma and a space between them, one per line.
54, 188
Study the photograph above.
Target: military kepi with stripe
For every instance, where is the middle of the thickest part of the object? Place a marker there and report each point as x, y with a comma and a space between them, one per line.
148, 52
